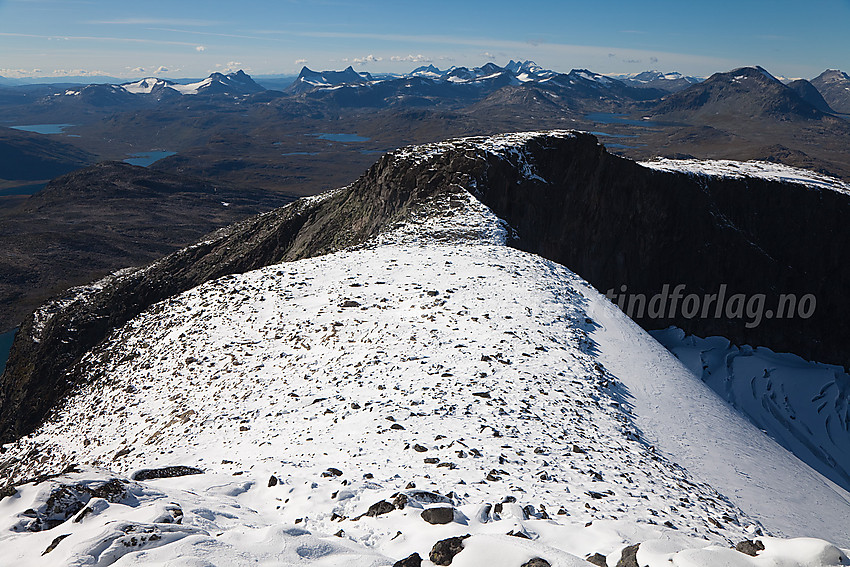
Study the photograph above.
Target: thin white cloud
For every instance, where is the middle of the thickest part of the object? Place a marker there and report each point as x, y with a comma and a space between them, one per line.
300, 61
96, 38
214, 34
155, 22
200, 48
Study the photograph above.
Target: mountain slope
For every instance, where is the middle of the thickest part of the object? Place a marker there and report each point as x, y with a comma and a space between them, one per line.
810, 94
85, 224
566, 198
31, 157
748, 92
402, 377
803, 405
834, 85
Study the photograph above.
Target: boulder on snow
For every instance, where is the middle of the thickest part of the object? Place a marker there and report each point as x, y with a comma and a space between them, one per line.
750, 547
628, 558
164, 472
412, 560
378, 508
441, 515
445, 550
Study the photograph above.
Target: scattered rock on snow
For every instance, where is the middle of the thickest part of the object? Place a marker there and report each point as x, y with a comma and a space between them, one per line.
537, 562
379, 508
750, 547
445, 550
441, 515
412, 560
54, 543
164, 472
629, 556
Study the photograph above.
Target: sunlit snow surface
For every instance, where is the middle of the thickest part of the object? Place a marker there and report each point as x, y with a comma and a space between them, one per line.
743, 169
804, 405
436, 356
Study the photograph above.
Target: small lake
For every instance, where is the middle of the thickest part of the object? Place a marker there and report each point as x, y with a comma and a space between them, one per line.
614, 135
23, 190
616, 118
44, 128
145, 159
623, 146
301, 154
341, 137
5, 346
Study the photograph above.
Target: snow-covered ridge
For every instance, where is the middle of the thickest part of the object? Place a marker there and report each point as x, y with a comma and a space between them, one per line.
432, 363
743, 169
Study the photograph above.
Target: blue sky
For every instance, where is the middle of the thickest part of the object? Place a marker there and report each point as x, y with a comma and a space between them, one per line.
191, 39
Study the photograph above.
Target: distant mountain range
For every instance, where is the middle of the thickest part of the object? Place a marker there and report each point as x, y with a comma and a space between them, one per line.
426, 85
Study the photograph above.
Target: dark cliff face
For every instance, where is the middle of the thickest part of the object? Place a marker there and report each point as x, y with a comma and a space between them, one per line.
609, 219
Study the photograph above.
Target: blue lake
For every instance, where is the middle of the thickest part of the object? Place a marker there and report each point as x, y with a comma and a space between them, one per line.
5, 345
341, 137
616, 118
147, 158
23, 190
44, 128
614, 135
623, 146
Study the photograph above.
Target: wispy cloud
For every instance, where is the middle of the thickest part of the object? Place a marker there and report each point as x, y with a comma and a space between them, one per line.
97, 38
213, 34
155, 22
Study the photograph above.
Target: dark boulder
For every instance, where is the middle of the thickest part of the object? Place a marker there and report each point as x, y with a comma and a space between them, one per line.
445, 550
412, 560
750, 547
442, 515
165, 472
378, 508
628, 558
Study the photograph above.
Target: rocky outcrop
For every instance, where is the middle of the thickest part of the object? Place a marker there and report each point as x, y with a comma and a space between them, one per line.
611, 220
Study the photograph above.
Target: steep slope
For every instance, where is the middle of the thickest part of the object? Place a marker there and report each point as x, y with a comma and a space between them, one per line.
396, 395
617, 223
834, 85
803, 405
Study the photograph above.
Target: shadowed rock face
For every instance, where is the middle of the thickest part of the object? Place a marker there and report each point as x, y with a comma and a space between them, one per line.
609, 219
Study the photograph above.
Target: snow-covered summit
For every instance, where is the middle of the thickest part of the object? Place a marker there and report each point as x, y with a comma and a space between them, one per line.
362, 406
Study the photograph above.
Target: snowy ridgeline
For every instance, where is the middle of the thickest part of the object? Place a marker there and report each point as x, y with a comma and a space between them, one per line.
742, 169
360, 407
